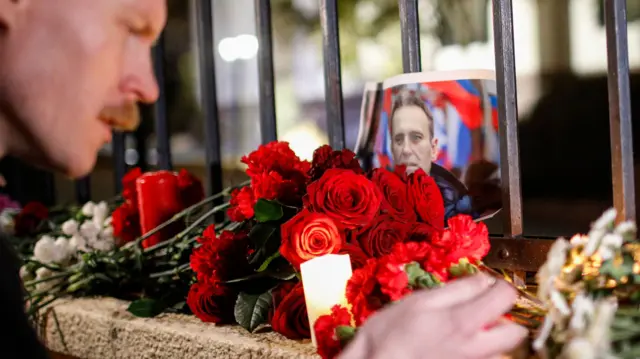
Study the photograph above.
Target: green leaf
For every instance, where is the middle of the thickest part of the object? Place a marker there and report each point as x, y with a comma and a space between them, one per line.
146, 307
252, 310
616, 268
266, 210
345, 333
268, 261
419, 278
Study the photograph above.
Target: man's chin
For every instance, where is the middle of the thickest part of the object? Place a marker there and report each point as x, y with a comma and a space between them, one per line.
411, 169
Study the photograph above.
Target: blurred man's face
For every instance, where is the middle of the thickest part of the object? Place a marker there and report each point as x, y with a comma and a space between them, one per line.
412, 142
70, 71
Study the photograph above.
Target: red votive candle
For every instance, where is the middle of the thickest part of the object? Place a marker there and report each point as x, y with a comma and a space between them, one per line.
158, 201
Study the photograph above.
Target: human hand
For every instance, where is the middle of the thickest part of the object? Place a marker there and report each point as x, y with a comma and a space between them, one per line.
461, 320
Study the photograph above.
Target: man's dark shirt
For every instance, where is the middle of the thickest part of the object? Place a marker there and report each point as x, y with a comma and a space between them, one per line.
18, 339
454, 195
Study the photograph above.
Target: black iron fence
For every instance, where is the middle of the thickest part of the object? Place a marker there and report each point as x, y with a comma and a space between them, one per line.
511, 251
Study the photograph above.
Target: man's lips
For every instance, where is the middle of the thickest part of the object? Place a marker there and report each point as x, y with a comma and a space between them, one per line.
122, 118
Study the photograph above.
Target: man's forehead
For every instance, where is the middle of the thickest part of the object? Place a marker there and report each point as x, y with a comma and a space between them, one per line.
154, 12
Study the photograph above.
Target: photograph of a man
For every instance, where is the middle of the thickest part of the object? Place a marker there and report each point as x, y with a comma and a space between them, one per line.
414, 145
444, 123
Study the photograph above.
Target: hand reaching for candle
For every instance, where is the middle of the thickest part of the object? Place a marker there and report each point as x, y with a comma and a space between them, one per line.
460, 320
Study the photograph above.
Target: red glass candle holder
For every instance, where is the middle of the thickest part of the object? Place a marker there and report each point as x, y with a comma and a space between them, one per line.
158, 200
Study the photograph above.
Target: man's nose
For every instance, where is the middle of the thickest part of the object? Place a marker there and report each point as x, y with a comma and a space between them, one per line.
406, 148
141, 84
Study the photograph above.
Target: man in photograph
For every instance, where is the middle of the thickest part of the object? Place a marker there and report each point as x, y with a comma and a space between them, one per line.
414, 145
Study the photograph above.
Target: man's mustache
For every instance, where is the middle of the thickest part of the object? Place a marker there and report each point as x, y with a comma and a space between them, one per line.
121, 118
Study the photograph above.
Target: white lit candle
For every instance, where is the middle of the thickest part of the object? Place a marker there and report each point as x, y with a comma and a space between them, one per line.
325, 281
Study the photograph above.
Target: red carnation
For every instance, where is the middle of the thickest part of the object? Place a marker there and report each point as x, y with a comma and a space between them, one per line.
241, 204
363, 292
464, 239
29, 218
190, 187
129, 192
329, 345
325, 158
221, 258
126, 222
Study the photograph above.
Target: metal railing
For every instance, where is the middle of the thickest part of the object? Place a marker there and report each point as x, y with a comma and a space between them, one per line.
512, 251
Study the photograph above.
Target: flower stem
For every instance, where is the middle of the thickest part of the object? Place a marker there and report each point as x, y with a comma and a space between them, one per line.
186, 231
182, 214
176, 270
42, 280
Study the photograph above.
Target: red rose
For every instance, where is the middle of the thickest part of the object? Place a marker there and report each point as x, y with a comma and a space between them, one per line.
464, 239
221, 258
395, 198
427, 199
422, 232
384, 232
356, 255
308, 235
349, 198
191, 190
278, 294
126, 222
329, 345
325, 158
290, 318
212, 302
241, 204
27, 221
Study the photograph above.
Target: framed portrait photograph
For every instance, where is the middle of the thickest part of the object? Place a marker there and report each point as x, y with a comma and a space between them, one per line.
445, 123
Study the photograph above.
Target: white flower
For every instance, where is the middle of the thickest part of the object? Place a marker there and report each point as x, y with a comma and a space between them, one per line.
70, 227
78, 244
45, 249
103, 245
583, 308
627, 230
89, 230
43, 273
579, 348
100, 212
598, 332
62, 250
107, 222
87, 209
560, 302
107, 233
7, 224
25, 275
605, 220
544, 333
579, 240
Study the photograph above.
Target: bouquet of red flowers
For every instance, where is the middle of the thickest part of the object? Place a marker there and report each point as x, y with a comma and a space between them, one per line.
391, 224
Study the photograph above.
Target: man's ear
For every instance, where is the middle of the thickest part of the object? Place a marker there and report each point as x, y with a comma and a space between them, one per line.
9, 11
434, 149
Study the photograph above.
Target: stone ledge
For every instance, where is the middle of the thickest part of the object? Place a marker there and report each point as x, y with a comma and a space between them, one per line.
101, 328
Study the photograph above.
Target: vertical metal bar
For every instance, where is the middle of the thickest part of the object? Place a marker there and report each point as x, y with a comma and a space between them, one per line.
508, 124
83, 189
204, 11
332, 73
508, 116
410, 34
620, 109
160, 110
268, 129
119, 164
